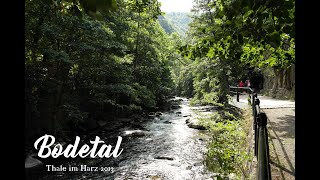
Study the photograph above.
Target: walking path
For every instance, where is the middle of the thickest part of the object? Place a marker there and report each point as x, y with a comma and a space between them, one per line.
281, 129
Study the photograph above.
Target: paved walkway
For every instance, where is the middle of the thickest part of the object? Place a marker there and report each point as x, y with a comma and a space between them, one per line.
281, 129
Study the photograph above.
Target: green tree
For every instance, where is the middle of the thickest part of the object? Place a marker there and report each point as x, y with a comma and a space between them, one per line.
228, 36
92, 60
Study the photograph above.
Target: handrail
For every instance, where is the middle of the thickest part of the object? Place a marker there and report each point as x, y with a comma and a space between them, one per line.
243, 88
237, 87
261, 146
263, 168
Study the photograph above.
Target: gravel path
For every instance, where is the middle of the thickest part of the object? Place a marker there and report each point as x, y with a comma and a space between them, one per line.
281, 129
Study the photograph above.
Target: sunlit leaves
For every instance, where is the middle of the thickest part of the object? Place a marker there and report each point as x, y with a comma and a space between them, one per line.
226, 153
92, 61
255, 23
74, 69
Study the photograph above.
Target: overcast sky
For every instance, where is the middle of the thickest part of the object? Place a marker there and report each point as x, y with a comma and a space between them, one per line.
176, 5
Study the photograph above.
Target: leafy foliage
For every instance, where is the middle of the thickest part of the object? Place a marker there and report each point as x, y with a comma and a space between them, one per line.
227, 147
94, 58
226, 38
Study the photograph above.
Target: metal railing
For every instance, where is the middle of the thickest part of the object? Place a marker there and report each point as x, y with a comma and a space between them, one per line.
261, 146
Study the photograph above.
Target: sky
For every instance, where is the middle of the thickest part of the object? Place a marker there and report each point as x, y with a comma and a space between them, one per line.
176, 5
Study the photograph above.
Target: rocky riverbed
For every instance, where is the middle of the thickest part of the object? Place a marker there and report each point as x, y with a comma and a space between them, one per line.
166, 145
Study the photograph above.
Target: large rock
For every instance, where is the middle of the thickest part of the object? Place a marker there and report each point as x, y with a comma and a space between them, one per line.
101, 123
134, 133
187, 120
32, 168
175, 106
151, 115
195, 125
164, 157
32, 162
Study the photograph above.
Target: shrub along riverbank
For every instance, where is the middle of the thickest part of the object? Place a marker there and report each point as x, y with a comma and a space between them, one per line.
229, 130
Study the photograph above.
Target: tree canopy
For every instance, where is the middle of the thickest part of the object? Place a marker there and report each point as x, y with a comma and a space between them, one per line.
89, 59
99, 59
228, 37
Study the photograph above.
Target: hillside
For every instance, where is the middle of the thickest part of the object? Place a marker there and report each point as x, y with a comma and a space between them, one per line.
175, 22
166, 25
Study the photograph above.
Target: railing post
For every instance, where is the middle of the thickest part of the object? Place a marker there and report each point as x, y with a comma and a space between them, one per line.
237, 95
254, 96
253, 110
253, 103
263, 171
257, 102
249, 96
256, 111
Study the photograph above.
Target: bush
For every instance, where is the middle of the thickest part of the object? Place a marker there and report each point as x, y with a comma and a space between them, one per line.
227, 146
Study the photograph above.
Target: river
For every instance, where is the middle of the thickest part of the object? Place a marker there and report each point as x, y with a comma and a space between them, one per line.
162, 147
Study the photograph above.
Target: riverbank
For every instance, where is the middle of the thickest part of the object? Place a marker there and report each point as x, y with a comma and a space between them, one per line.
161, 145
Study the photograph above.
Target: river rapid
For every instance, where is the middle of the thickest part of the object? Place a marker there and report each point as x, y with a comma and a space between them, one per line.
162, 147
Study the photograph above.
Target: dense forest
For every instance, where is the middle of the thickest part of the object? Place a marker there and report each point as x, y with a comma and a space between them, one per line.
229, 41
93, 60
89, 61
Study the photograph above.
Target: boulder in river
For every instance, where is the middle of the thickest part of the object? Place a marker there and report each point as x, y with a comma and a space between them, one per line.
101, 123
195, 125
134, 133
175, 106
32, 167
32, 162
165, 157
151, 115
188, 120
158, 114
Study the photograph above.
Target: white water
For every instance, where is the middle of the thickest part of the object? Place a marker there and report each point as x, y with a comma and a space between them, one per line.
164, 148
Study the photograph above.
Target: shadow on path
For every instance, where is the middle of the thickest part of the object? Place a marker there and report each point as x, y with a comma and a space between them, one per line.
282, 128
